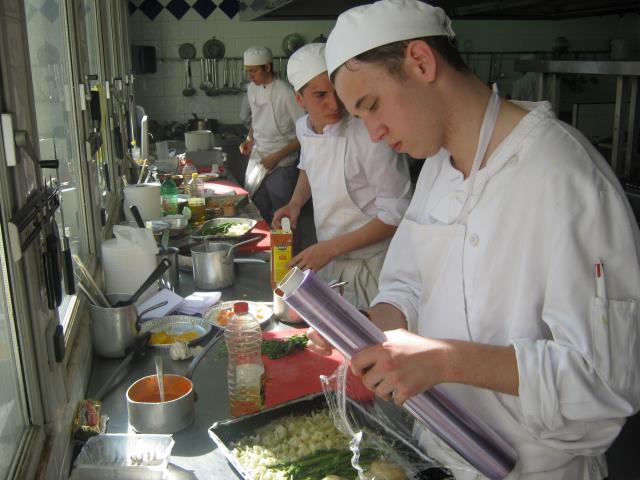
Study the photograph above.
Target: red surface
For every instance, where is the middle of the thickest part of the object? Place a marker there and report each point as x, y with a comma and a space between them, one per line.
262, 230
225, 186
298, 374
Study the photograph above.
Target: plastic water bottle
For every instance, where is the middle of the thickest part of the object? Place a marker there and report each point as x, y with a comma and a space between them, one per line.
188, 169
196, 203
169, 196
245, 372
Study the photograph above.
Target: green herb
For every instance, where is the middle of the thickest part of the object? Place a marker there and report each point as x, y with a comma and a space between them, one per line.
277, 348
325, 462
220, 229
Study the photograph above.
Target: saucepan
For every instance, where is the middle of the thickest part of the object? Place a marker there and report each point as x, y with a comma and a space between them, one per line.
114, 329
213, 264
148, 414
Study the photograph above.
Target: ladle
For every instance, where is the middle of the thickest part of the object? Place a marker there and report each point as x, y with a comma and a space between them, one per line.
162, 267
229, 256
160, 376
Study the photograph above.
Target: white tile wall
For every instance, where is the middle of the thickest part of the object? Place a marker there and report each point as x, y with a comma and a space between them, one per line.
161, 93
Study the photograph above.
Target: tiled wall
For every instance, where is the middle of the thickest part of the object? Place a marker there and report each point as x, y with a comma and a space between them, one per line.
161, 93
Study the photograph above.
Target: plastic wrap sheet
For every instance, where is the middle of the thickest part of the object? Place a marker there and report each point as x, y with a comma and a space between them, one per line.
349, 331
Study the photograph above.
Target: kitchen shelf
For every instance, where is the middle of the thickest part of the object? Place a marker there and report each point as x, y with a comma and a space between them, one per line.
624, 152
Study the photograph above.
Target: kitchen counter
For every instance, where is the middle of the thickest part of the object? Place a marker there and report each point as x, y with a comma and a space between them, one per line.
194, 454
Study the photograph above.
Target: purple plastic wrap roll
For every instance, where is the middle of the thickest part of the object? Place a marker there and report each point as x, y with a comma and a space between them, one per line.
341, 324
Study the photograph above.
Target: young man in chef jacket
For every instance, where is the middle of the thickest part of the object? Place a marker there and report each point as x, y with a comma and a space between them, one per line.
490, 287
271, 144
360, 189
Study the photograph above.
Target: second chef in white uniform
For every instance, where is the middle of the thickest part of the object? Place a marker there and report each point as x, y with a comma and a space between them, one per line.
360, 189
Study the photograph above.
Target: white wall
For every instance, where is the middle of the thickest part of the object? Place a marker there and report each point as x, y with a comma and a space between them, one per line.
161, 93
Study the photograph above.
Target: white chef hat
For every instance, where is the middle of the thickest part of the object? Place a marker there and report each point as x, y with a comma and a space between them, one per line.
257, 56
305, 64
363, 28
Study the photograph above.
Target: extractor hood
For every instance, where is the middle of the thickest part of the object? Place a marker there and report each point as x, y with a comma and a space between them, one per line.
456, 9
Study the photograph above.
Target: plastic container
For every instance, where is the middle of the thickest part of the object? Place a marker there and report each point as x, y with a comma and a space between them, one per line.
169, 196
245, 371
195, 202
188, 169
281, 252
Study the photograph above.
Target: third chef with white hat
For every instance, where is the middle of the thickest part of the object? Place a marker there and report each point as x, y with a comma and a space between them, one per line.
360, 189
513, 280
271, 143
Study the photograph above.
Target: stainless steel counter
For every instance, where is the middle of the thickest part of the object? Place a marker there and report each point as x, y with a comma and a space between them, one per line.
194, 454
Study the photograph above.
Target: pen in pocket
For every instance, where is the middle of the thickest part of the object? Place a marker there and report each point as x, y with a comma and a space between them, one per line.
601, 289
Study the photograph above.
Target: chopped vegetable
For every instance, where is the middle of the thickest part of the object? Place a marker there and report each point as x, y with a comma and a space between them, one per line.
165, 338
325, 462
231, 229
278, 348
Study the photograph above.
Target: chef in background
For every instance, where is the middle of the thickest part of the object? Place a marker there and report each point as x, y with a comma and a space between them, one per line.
360, 189
271, 143
513, 280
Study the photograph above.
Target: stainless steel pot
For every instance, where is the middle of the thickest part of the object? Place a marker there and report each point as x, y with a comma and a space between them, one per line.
148, 415
213, 264
115, 329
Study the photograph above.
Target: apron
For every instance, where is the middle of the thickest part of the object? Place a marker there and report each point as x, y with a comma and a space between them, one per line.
335, 214
267, 136
439, 250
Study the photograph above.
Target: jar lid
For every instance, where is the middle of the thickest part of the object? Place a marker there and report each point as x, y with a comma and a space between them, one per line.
240, 307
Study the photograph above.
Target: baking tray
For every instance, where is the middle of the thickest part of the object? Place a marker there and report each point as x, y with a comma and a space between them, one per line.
177, 324
198, 235
228, 432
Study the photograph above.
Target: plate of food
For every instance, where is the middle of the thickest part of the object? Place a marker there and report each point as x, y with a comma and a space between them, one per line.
224, 229
220, 313
165, 331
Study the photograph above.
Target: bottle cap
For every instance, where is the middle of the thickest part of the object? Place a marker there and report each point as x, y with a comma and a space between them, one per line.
286, 224
240, 307
194, 175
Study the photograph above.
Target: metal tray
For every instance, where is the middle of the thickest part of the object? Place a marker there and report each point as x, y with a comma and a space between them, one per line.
262, 312
228, 432
198, 235
177, 324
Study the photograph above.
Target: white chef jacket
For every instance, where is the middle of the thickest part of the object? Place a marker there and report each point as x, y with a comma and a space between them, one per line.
544, 210
274, 112
377, 180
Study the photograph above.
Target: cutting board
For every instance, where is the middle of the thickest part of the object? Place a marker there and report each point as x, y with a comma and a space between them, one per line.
225, 186
298, 374
262, 230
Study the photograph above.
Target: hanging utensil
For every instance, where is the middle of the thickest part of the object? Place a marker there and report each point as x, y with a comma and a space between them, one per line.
188, 90
203, 80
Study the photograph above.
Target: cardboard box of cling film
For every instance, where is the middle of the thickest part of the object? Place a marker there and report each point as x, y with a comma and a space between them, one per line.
281, 251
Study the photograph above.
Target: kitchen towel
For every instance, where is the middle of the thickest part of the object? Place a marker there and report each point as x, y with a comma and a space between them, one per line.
173, 300
199, 302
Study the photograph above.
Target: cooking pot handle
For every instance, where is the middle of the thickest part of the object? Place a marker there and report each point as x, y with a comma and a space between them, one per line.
194, 363
229, 254
139, 321
249, 260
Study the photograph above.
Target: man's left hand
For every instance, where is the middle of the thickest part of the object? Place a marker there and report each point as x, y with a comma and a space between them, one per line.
269, 162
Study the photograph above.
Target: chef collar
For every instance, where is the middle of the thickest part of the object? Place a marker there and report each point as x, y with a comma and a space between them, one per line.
363, 28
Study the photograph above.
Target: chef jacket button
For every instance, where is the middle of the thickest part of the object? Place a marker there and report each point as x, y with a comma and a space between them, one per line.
474, 239
512, 161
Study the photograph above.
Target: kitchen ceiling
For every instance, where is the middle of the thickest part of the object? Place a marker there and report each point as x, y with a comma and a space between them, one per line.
456, 9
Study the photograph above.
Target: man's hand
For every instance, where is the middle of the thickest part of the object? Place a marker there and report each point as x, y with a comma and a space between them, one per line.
317, 343
246, 147
291, 211
402, 366
314, 257
270, 161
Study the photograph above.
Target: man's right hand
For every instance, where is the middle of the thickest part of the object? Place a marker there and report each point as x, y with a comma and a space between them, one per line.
246, 146
291, 211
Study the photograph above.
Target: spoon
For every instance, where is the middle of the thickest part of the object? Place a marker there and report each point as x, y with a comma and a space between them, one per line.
160, 376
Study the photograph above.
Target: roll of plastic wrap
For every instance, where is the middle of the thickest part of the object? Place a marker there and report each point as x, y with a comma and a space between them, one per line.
349, 331
145, 196
128, 259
